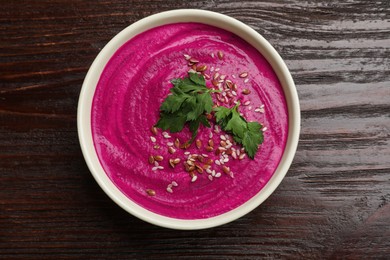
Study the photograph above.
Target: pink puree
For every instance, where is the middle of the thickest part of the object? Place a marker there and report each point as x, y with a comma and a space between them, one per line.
126, 105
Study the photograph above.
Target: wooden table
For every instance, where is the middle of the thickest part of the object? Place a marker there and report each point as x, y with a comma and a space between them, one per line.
333, 203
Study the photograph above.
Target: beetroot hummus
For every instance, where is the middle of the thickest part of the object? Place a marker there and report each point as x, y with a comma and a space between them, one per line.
149, 166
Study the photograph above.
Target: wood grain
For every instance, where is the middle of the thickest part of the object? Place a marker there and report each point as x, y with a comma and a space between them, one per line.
333, 203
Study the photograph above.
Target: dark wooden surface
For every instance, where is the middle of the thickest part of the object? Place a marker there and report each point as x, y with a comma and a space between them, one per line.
334, 202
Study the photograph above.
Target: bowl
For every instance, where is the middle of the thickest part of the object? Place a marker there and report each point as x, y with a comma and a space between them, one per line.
178, 16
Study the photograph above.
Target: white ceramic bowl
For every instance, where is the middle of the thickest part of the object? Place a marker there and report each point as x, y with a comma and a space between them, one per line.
217, 20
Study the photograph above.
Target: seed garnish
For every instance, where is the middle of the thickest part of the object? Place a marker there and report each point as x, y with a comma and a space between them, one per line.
166, 135
201, 68
151, 159
220, 55
242, 156
150, 192
243, 75
192, 60
158, 158
225, 91
246, 91
154, 130
226, 169
177, 143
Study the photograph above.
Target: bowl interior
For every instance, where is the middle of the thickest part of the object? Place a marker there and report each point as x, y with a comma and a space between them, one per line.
210, 18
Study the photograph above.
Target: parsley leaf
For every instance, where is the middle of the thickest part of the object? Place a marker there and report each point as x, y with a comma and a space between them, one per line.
248, 134
188, 102
197, 79
173, 122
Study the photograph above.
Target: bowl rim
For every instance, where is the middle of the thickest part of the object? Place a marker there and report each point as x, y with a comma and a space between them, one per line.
176, 16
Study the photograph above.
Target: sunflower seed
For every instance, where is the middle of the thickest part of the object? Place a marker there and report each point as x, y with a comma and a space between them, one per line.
176, 160
171, 163
150, 192
201, 68
246, 91
226, 169
220, 55
158, 158
177, 143
242, 156
151, 159
154, 130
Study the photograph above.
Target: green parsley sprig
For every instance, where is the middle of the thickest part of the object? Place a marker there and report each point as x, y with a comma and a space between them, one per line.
189, 102
248, 134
